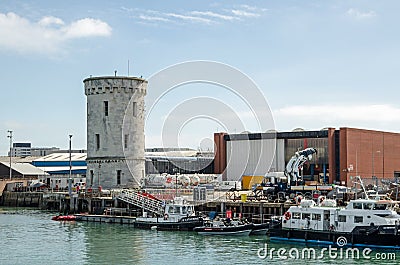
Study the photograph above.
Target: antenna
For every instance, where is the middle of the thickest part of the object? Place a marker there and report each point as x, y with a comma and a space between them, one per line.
115, 72
128, 67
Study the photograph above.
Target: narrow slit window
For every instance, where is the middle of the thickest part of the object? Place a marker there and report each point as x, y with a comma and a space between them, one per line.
118, 177
91, 177
97, 141
134, 109
126, 140
106, 108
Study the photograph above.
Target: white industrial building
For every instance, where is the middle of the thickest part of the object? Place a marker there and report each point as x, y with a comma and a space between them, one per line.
254, 158
256, 154
57, 166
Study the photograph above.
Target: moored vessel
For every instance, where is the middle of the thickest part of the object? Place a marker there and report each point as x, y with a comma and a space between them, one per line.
260, 229
225, 227
64, 218
363, 222
178, 215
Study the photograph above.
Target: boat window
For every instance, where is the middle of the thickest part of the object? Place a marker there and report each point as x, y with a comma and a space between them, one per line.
358, 219
173, 209
368, 206
327, 216
357, 205
184, 210
342, 218
296, 216
316, 217
380, 206
306, 216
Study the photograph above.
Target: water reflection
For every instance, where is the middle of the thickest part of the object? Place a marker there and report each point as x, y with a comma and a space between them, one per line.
32, 237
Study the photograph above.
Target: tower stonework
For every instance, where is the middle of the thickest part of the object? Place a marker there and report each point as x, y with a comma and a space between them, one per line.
115, 131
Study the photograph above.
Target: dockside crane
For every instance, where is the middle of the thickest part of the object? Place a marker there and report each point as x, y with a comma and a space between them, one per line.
292, 170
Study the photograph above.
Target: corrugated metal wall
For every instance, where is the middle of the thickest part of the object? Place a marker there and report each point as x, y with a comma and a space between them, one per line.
254, 157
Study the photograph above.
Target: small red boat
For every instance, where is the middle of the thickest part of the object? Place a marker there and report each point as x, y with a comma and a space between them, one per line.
64, 218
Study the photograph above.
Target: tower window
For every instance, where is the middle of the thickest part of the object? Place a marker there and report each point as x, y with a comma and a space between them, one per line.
126, 139
134, 109
106, 108
91, 177
118, 177
97, 141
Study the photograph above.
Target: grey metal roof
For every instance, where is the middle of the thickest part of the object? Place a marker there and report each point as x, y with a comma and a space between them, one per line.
63, 157
25, 169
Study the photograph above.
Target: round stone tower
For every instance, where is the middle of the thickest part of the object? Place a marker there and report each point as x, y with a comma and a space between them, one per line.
115, 131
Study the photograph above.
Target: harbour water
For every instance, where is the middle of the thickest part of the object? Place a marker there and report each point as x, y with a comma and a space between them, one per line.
31, 237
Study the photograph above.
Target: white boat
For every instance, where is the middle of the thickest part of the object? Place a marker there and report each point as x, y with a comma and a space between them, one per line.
178, 215
225, 227
361, 222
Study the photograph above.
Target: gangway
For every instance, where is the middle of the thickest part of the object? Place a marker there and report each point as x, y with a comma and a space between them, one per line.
142, 200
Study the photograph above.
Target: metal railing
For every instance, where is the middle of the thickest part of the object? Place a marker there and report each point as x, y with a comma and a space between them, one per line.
142, 201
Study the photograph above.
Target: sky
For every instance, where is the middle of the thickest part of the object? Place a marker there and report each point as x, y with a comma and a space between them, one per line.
318, 63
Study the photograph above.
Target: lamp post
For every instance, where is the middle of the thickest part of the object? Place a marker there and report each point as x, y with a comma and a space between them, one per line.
175, 170
70, 167
98, 179
10, 136
71, 200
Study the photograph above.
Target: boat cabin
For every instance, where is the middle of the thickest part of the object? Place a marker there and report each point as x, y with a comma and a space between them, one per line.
173, 212
361, 212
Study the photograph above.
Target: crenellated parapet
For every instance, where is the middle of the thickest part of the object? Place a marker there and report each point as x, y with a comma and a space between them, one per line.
102, 85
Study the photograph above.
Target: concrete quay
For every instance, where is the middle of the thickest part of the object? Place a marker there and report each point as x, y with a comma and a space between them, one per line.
109, 209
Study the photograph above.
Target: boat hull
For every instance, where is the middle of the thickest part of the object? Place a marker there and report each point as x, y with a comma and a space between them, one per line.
225, 233
259, 229
185, 224
241, 230
378, 236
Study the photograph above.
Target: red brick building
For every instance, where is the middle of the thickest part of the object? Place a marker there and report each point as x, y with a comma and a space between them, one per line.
342, 154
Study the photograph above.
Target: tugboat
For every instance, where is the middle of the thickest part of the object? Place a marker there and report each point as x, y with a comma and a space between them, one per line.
178, 215
363, 222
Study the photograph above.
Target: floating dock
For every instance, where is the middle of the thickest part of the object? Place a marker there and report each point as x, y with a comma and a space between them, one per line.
128, 220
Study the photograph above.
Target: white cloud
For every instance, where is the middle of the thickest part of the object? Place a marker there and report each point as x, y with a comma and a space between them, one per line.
242, 13
385, 117
48, 35
253, 8
371, 113
213, 15
50, 20
197, 16
153, 18
190, 18
352, 12
87, 27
